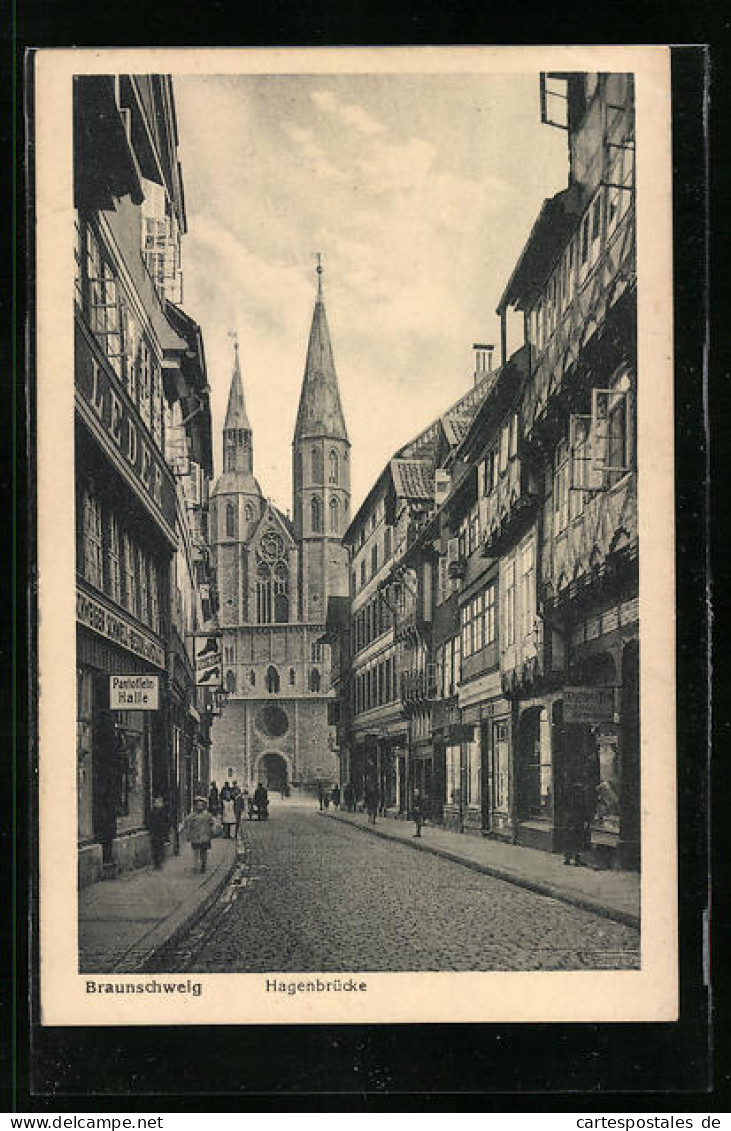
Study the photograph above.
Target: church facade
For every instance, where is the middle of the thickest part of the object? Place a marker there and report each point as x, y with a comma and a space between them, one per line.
274, 577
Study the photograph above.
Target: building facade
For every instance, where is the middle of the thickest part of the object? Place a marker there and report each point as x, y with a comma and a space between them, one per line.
513, 598
275, 575
139, 367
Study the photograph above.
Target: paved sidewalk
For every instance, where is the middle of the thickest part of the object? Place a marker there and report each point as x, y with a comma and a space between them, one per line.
613, 894
123, 922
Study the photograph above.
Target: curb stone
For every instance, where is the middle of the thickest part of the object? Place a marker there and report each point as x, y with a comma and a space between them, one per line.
171, 929
540, 887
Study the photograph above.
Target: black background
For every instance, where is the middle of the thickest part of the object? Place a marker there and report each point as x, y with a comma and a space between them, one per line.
663, 1067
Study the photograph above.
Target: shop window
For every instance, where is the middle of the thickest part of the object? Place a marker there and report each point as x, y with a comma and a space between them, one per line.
272, 680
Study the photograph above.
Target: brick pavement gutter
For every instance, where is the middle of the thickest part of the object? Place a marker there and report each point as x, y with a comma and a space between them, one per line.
170, 929
540, 887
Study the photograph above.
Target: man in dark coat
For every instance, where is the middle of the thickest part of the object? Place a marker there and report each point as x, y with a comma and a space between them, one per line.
261, 802
158, 823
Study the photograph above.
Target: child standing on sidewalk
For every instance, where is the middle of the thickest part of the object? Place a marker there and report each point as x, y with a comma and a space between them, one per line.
199, 829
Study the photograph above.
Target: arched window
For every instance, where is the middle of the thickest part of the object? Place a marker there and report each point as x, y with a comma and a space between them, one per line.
272, 680
316, 465
249, 513
292, 676
281, 593
314, 680
252, 678
334, 516
263, 593
334, 467
298, 467
230, 521
316, 515
230, 681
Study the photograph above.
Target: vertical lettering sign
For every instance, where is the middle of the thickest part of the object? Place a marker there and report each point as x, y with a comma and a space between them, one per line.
119, 421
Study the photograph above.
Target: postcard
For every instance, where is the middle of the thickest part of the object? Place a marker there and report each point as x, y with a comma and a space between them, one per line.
356, 535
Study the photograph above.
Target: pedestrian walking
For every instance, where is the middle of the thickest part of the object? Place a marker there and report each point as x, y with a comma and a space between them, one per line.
213, 800
326, 799
239, 806
159, 826
336, 796
371, 801
417, 811
261, 802
199, 829
228, 814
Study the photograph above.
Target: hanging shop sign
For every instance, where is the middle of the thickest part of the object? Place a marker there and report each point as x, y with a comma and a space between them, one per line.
208, 669
134, 692
588, 705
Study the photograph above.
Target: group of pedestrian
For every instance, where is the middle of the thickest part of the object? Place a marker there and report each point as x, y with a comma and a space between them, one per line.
229, 805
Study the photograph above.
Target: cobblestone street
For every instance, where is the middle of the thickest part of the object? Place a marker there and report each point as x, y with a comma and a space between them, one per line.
314, 894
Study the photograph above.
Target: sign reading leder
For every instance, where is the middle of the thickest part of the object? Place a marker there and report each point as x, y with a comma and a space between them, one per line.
92, 614
588, 704
134, 692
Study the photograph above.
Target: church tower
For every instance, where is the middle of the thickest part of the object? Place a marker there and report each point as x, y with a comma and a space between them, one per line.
236, 504
320, 474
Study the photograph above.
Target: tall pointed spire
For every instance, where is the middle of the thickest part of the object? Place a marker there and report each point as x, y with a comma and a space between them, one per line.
320, 412
236, 412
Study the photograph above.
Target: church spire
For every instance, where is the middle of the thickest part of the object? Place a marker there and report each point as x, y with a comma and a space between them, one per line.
320, 412
236, 413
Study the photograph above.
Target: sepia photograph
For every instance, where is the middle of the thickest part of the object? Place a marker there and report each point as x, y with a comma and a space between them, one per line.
355, 515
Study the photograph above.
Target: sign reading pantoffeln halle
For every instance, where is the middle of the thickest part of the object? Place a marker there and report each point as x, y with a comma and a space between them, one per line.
134, 692
208, 670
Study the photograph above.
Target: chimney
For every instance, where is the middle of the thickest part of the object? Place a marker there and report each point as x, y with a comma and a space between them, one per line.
483, 360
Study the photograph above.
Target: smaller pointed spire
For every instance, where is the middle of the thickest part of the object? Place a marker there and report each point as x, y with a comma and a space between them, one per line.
236, 412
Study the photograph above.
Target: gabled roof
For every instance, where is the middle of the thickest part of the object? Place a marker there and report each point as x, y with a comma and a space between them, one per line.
273, 515
320, 412
413, 478
547, 239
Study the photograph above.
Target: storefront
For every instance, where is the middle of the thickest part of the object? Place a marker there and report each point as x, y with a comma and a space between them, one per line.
121, 761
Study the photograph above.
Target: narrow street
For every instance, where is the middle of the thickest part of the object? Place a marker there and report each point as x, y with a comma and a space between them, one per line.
313, 894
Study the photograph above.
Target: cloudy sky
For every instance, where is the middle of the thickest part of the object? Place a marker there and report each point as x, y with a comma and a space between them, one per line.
419, 191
